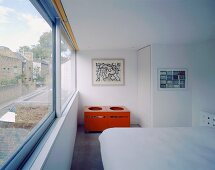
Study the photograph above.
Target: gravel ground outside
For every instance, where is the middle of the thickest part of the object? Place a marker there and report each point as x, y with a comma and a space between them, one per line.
12, 135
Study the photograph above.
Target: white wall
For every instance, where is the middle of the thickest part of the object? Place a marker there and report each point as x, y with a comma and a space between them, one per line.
144, 87
172, 107
178, 107
61, 154
107, 95
203, 84
169, 108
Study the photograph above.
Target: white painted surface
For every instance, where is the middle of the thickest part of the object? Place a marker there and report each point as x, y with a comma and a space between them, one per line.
107, 95
203, 83
180, 107
117, 24
172, 107
61, 153
168, 108
8, 117
144, 86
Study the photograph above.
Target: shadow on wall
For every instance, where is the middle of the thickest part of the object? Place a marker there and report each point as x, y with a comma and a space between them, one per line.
80, 110
135, 119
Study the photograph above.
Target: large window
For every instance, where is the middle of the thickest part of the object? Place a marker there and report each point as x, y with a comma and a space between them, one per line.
25, 73
67, 69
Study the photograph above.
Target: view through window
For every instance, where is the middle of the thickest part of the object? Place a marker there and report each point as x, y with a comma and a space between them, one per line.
25, 73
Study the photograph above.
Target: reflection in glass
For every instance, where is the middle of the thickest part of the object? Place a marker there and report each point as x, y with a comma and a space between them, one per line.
67, 69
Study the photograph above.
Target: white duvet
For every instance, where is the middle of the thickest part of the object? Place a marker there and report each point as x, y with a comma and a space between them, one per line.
158, 148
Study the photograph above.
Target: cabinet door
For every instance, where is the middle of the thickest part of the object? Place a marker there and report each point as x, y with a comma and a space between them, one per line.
95, 122
119, 120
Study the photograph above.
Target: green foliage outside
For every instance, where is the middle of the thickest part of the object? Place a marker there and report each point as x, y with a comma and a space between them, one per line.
13, 81
43, 50
9, 82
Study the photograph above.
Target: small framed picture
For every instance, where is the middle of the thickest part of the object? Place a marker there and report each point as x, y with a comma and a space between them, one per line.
108, 72
172, 79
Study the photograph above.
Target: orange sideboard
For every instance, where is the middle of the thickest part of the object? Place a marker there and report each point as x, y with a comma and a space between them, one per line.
99, 118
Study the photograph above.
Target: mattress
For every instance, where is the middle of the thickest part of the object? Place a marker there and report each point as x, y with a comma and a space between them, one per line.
158, 148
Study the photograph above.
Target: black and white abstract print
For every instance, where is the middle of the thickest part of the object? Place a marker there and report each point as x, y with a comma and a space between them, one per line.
108, 72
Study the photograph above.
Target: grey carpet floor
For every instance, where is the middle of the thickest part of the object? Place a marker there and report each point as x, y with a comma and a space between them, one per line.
86, 154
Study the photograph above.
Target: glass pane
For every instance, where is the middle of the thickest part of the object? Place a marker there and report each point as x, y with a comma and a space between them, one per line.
25, 73
67, 70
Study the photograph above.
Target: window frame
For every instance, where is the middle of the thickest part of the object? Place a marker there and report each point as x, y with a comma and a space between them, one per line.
19, 157
53, 18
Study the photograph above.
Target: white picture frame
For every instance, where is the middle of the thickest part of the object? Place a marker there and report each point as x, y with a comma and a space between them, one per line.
108, 72
172, 78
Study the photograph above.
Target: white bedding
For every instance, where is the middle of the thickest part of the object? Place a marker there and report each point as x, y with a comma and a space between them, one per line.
158, 148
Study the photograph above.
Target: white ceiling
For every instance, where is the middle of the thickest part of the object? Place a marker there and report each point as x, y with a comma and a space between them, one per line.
132, 24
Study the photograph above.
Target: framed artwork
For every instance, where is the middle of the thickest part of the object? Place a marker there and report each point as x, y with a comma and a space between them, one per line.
108, 71
172, 79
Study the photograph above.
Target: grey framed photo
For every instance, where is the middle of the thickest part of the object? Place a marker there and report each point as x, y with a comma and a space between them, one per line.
108, 71
172, 79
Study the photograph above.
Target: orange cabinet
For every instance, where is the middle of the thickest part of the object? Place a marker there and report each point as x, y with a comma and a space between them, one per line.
99, 118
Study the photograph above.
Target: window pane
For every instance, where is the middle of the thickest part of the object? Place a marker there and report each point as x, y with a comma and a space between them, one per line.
67, 70
25, 73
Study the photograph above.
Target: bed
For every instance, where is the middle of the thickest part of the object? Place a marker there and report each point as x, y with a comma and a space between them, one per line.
179, 148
